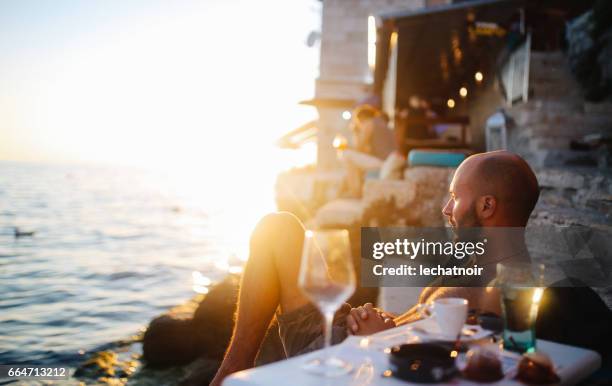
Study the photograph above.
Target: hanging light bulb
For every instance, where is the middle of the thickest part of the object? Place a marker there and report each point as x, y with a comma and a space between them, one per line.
463, 92
346, 115
478, 76
450, 103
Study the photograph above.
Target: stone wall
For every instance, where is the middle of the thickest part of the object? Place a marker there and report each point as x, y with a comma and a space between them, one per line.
556, 115
302, 191
417, 200
487, 102
576, 189
343, 68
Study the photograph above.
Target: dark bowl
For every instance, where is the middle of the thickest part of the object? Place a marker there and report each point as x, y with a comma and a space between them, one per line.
422, 362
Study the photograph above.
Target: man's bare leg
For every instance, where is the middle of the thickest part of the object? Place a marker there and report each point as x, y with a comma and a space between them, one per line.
269, 281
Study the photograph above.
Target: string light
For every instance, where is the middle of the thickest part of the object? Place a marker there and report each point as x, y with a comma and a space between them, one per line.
450, 103
346, 115
478, 76
339, 142
463, 92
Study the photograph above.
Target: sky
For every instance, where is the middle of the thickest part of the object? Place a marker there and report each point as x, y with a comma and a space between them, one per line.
155, 83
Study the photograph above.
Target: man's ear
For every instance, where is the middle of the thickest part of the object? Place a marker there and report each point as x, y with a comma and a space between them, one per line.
486, 207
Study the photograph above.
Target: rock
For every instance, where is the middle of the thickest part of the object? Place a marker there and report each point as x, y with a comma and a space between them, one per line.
339, 213
202, 371
579, 188
560, 178
182, 335
589, 51
302, 191
101, 364
213, 320
415, 201
401, 192
170, 340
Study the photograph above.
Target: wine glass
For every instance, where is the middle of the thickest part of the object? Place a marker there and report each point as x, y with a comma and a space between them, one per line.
327, 278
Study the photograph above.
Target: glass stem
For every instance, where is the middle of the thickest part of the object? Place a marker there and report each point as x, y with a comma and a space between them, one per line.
329, 321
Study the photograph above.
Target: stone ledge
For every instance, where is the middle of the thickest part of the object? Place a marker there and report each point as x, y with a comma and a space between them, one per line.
416, 200
340, 213
554, 215
401, 192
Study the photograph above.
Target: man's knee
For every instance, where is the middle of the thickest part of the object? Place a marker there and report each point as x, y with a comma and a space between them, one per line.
275, 227
289, 221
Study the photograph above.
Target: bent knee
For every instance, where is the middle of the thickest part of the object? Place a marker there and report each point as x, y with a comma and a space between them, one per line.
278, 223
289, 221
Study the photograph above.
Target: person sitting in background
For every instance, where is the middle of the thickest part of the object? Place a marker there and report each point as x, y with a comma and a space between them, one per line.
483, 193
373, 142
409, 133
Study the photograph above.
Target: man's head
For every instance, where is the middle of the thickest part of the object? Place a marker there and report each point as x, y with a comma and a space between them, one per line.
364, 113
497, 188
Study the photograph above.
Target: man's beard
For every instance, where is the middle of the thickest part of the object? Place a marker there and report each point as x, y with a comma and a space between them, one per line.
468, 228
470, 219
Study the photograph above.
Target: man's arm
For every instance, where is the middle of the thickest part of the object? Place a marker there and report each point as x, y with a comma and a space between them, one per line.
368, 320
483, 299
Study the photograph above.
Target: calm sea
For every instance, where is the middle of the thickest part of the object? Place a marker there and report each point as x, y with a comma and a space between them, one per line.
112, 248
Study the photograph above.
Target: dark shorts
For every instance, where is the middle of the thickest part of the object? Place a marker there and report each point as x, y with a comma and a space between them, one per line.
301, 330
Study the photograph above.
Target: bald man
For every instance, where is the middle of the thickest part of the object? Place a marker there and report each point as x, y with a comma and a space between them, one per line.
496, 189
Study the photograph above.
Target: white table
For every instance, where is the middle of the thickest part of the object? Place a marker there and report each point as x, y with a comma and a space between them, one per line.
369, 362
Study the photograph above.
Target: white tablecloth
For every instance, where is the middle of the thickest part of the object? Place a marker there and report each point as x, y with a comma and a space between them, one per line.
369, 361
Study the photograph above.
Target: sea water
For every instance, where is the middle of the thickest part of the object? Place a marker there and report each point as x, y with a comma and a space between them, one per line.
113, 247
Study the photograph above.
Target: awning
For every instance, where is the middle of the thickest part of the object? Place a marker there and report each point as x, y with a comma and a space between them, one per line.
297, 137
330, 103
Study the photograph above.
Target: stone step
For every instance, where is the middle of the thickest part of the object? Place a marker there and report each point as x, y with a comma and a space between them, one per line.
532, 112
341, 213
547, 143
592, 182
547, 123
554, 83
601, 203
569, 105
547, 58
603, 108
545, 214
553, 90
598, 158
551, 139
545, 76
562, 157
561, 142
585, 188
546, 70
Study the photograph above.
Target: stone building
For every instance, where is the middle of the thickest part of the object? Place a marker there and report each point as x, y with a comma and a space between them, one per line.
546, 124
550, 119
345, 75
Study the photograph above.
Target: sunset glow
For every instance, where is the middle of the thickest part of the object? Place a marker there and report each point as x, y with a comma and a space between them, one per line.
168, 86
159, 83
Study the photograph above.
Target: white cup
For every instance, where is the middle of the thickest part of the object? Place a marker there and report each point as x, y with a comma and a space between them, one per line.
450, 315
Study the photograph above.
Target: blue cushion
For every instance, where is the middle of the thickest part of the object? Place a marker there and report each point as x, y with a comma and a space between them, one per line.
437, 158
372, 174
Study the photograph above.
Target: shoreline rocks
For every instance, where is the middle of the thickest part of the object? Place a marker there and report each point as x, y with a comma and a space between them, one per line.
182, 335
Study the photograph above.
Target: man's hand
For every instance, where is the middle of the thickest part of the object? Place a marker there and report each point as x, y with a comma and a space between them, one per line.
367, 320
